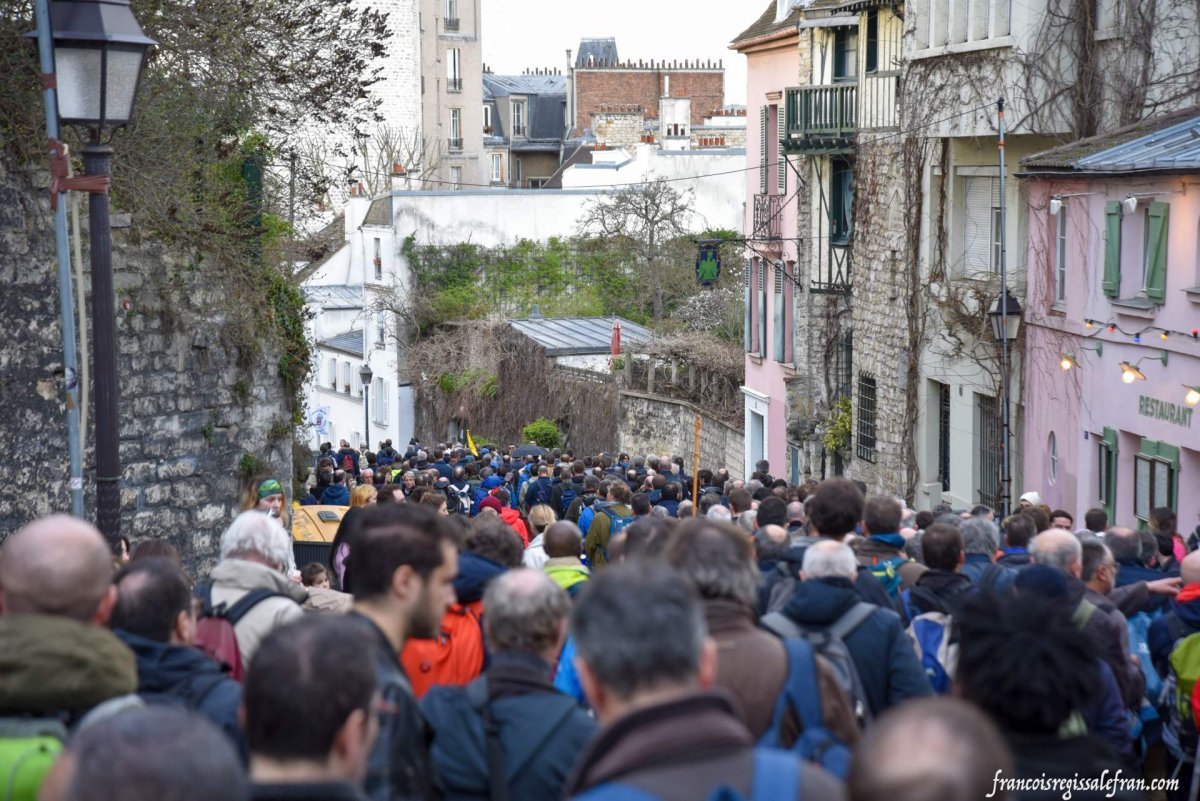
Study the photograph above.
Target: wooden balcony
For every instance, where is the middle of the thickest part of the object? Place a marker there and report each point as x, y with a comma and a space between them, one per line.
822, 118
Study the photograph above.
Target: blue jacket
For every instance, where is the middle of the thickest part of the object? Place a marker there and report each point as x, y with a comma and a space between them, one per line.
979, 567
882, 652
335, 495
1016, 558
340, 456
1180, 620
182, 676
541, 486
672, 507
542, 731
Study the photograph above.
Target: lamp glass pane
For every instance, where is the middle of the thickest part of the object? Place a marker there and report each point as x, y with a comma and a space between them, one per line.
124, 65
1014, 324
78, 71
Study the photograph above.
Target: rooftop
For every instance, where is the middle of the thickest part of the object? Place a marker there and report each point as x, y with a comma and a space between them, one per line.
598, 50
350, 342
1156, 144
766, 25
504, 85
578, 336
380, 212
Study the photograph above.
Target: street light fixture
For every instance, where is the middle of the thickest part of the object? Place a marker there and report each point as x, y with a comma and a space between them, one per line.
1005, 317
366, 375
99, 52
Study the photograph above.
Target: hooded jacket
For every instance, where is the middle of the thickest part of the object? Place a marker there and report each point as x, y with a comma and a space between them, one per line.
1015, 558
233, 578
542, 731
874, 549
568, 572
883, 654
535, 555
176, 674
51, 665
681, 750
336, 495
937, 591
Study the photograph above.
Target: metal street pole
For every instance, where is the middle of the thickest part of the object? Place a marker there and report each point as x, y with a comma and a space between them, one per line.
62, 246
367, 416
97, 161
1005, 455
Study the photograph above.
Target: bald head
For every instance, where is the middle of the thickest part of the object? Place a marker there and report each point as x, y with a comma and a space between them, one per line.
562, 539
56, 566
1189, 569
1060, 549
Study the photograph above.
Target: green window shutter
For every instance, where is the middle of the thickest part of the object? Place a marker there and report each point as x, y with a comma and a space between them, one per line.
1156, 250
1112, 248
1110, 440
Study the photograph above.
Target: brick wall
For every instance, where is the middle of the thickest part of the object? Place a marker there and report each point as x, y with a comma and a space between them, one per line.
601, 87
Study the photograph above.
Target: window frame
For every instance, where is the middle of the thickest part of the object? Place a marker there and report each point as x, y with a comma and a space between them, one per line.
456, 177
1060, 256
497, 168
867, 424
845, 54
841, 201
519, 118
487, 116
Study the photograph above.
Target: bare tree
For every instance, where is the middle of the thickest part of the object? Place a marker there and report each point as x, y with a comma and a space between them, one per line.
649, 220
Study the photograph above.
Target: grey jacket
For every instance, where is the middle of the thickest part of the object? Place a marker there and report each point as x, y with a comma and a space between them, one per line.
233, 578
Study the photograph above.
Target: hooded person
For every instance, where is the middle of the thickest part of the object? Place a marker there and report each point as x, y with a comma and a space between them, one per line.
56, 595
485, 489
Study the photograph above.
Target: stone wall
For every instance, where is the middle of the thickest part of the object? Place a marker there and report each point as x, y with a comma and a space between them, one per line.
618, 128
189, 411
653, 424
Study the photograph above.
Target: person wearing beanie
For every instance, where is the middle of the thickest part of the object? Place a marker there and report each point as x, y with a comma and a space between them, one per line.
1030, 499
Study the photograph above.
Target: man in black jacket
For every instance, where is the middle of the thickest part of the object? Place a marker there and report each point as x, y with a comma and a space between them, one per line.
154, 617
510, 734
322, 666
404, 564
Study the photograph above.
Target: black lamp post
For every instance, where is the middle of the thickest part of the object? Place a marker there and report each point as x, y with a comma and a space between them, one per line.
99, 51
365, 374
1005, 317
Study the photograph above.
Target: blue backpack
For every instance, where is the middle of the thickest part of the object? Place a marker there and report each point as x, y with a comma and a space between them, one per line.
932, 637
617, 524
776, 778
801, 692
569, 494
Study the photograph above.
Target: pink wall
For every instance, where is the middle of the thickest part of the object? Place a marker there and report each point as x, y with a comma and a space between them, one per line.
769, 73
1077, 405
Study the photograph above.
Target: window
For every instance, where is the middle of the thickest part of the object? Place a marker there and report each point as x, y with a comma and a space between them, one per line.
981, 225
487, 119
943, 442
872, 40
1156, 467
346, 379
377, 260
518, 118
497, 168
451, 9
456, 141
1060, 256
379, 397
333, 375
845, 54
1154, 252
456, 177
866, 417
517, 172
997, 229
381, 330
990, 438
1106, 473
537, 183
454, 69
841, 202
1052, 460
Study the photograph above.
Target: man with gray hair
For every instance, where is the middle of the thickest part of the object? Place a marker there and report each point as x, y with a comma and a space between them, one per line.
647, 666
719, 513
826, 601
981, 541
752, 664
509, 733
1062, 551
250, 586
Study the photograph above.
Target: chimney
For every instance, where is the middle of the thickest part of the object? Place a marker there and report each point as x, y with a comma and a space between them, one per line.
399, 176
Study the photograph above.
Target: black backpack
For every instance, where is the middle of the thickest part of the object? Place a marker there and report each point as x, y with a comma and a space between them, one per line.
569, 493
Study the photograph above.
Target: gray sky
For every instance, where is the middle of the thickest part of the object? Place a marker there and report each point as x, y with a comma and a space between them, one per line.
536, 33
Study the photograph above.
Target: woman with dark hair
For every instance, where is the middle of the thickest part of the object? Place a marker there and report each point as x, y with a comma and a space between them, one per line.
342, 543
1171, 543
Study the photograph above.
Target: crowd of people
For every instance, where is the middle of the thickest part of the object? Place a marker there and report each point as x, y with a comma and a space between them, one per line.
534, 624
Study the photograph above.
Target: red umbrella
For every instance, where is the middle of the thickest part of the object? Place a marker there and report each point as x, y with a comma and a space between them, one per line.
616, 338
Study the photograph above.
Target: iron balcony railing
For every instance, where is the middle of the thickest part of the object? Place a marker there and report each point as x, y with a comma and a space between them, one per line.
450, 25
454, 84
768, 216
456, 144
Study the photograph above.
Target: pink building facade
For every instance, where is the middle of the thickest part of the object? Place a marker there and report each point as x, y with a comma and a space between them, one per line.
1111, 324
771, 47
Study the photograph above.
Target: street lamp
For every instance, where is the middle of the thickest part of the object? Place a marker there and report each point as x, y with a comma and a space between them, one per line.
1005, 317
99, 52
365, 374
